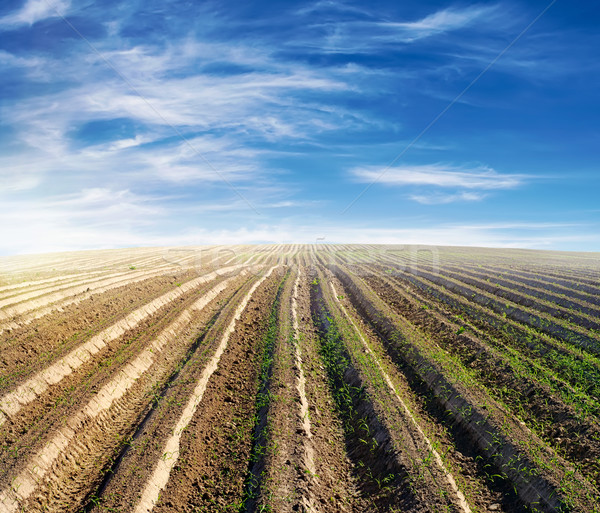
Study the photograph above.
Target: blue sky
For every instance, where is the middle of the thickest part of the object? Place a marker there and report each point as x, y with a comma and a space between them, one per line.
168, 123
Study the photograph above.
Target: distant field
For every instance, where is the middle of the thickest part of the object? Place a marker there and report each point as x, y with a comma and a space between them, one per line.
321, 378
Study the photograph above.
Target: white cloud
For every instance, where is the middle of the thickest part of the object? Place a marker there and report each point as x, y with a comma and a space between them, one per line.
18, 181
511, 236
440, 199
45, 126
438, 22
131, 163
200, 100
8, 59
439, 175
366, 36
291, 204
122, 144
89, 207
36, 10
330, 5
229, 99
81, 220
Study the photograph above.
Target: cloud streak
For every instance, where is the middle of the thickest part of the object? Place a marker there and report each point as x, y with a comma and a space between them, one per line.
439, 175
442, 199
377, 31
34, 11
439, 22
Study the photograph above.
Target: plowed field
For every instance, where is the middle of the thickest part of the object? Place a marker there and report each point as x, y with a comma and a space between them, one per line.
315, 378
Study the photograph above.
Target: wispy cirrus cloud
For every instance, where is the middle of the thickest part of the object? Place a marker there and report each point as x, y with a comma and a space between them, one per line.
131, 162
441, 21
440, 184
105, 137
171, 93
372, 31
442, 199
439, 175
331, 5
202, 101
34, 11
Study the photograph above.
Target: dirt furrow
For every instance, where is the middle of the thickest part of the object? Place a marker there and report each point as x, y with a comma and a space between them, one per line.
537, 473
557, 281
33, 347
349, 378
59, 306
449, 477
257, 480
567, 301
34, 286
6, 289
162, 472
384, 470
525, 386
552, 334
13, 402
27, 311
8, 304
283, 472
119, 399
494, 267
306, 464
575, 318
578, 336
560, 280
307, 449
571, 363
21, 437
133, 464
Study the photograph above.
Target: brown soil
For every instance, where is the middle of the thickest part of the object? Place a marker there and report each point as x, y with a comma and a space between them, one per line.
131, 468
542, 410
215, 448
291, 484
27, 433
32, 347
351, 379
481, 427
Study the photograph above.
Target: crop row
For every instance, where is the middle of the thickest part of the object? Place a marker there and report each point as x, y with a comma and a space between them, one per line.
519, 455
